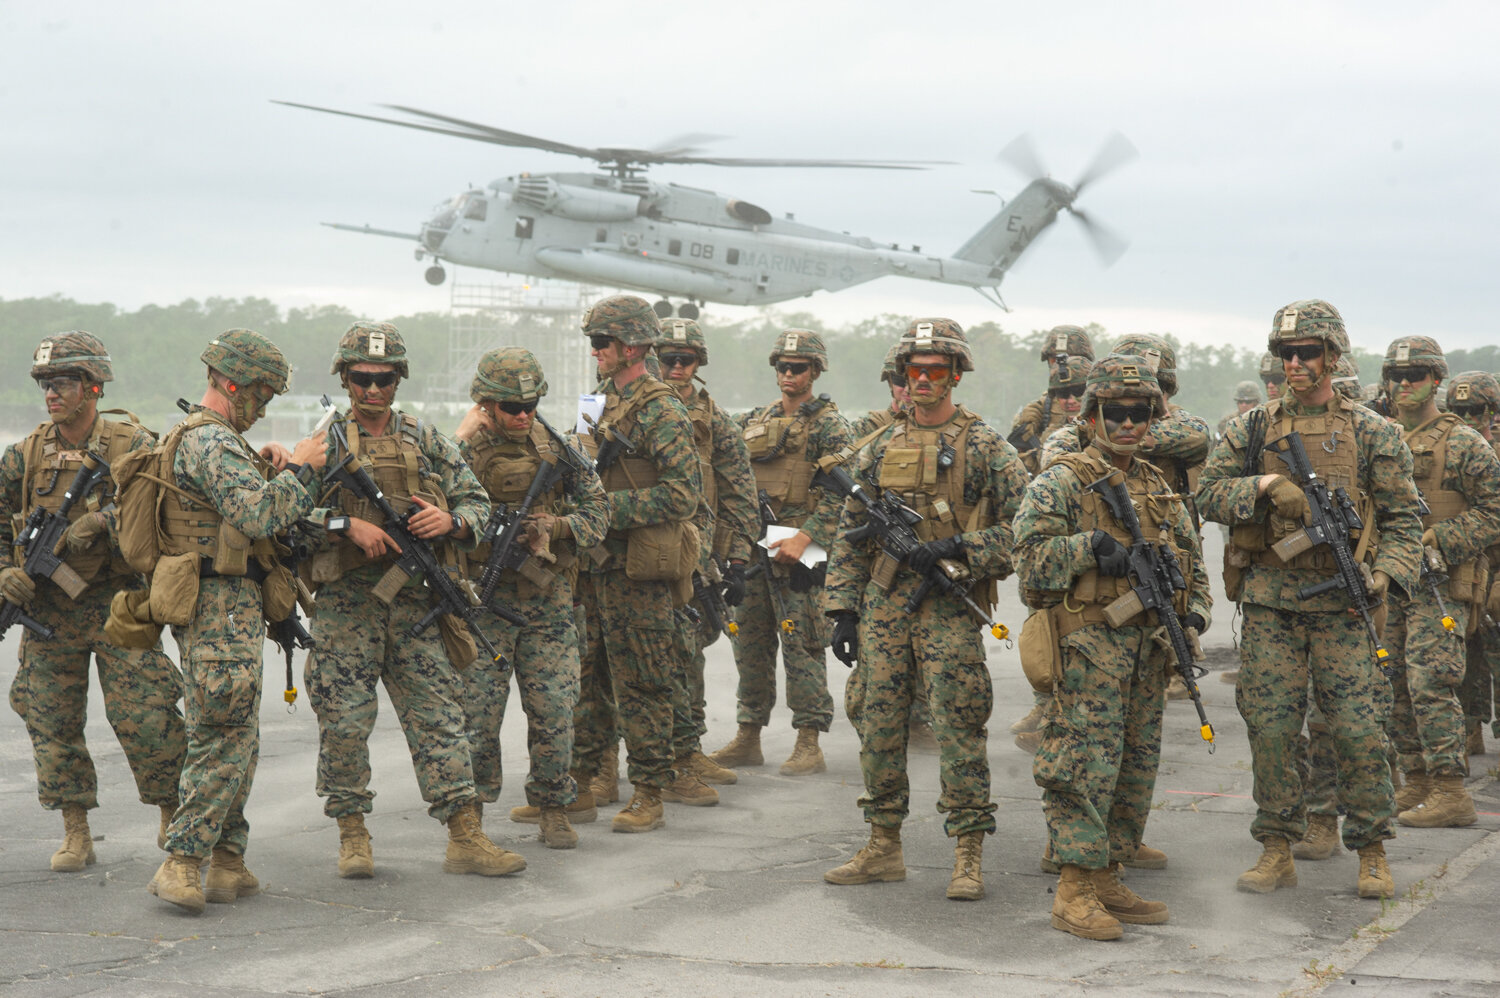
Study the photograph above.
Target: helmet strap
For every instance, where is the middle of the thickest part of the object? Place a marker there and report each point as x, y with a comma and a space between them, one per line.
1101, 435
245, 410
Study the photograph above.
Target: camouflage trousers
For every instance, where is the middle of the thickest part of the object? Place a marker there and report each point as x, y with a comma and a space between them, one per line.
1426, 669
688, 694
362, 642
221, 672
1279, 651
543, 657
629, 649
51, 690
1101, 745
1481, 672
801, 653
939, 652
596, 718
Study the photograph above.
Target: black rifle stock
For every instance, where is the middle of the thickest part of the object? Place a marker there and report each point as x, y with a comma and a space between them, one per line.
1433, 576
1331, 519
892, 525
1157, 578
416, 556
502, 530
710, 597
290, 633
38, 541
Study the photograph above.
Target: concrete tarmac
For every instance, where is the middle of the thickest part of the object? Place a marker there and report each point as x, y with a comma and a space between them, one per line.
730, 900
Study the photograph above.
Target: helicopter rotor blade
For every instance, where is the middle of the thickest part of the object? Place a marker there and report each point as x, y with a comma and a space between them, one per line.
1108, 245
686, 145
499, 136
1022, 156
1115, 153
847, 164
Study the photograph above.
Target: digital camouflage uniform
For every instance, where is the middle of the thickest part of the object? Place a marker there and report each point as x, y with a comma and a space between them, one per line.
141, 687
1286, 639
1040, 418
543, 655
1475, 396
1101, 741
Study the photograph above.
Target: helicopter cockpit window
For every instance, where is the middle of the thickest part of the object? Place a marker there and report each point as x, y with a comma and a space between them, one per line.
674, 247
524, 225
476, 209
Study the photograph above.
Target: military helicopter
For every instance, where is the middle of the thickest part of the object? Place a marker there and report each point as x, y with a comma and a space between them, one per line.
620, 229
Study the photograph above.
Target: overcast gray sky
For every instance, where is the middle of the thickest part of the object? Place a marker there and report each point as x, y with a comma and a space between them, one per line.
1340, 150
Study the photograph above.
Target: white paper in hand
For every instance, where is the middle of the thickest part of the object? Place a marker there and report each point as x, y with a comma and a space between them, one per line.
813, 554
591, 406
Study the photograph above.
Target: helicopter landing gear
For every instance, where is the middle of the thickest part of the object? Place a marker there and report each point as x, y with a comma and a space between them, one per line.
664, 310
435, 275
687, 310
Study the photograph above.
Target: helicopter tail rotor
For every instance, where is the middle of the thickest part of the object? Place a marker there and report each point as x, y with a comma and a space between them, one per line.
1117, 150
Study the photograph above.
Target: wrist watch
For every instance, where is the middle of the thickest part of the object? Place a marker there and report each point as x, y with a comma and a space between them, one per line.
458, 524
337, 524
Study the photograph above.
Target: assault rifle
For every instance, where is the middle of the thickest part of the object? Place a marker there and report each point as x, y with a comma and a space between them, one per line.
764, 566
290, 633
575, 458
1024, 440
501, 532
892, 525
1157, 578
708, 591
415, 557
38, 541
1332, 518
1433, 576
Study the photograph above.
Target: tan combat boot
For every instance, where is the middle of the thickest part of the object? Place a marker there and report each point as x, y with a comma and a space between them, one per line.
1475, 742
1448, 805
228, 879
1029, 741
880, 859
688, 788
1321, 839
743, 749
1418, 786
356, 860
1146, 858
1177, 689
643, 813
582, 811
710, 772
168, 811
77, 849
967, 882
1049, 863
1124, 903
604, 786
1274, 869
1230, 676
556, 832
806, 757
1031, 720
471, 851
1076, 907
1374, 873
176, 882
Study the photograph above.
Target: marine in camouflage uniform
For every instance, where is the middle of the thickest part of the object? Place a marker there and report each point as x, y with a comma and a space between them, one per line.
1272, 375
961, 476
141, 686
225, 493
786, 439
1287, 638
1474, 397
364, 620
1246, 397
1038, 420
1459, 477
1101, 743
508, 447
643, 444
727, 514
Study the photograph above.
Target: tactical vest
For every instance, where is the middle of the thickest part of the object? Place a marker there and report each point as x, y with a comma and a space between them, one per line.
1156, 505
701, 413
506, 468
1429, 452
778, 456
49, 469
189, 523
1333, 449
397, 465
630, 470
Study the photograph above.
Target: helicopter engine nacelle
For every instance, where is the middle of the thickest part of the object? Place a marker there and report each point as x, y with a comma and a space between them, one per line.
583, 204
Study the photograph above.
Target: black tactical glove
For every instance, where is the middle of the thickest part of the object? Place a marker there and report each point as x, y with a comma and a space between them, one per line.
734, 584
923, 558
846, 637
1111, 556
1194, 622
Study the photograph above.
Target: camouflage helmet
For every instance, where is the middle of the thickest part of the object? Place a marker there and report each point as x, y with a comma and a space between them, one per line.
942, 336
1305, 319
800, 343
1120, 376
1074, 373
248, 358
371, 343
683, 333
1156, 352
653, 366
1475, 388
77, 351
888, 368
1247, 391
1270, 367
1345, 379
1070, 340
628, 318
509, 374
1415, 351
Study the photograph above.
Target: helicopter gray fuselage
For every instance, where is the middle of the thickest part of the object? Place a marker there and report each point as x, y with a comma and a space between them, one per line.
683, 241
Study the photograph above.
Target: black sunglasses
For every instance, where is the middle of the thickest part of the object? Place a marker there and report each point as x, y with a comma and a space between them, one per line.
1073, 392
677, 359
899, 380
598, 341
1468, 411
365, 379
516, 408
1302, 351
1137, 414
1410, 375
791, 367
